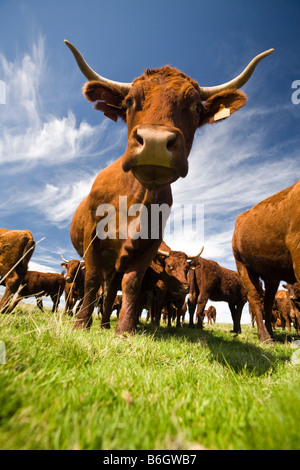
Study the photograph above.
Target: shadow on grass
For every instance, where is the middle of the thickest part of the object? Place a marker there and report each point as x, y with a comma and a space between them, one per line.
232, 351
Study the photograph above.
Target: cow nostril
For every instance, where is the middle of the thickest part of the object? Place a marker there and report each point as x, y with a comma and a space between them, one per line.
171, 142
139, 138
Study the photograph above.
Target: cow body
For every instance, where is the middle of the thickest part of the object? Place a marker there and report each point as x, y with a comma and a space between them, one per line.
37, 284
16, 248
282, 311
165, 285
266, 245
74, 285
211, 314
162, 109
209, 280
293, 295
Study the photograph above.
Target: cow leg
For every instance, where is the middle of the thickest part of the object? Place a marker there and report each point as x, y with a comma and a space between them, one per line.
270, 292
39, 302
201, 302
12, 283
179, 313
252, 285
13, 305
131, 285
91, 286
191, 308
109, 295
236, 313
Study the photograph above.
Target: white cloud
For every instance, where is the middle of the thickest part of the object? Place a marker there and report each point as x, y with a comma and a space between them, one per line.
58, 203
232, 166
29, 134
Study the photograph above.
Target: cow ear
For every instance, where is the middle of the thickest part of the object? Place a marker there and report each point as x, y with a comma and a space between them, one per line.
108, 99
64, 265
222, 105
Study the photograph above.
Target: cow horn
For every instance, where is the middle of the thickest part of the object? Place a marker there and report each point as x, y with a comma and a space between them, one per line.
196, 256
164, 253
238, 81
64, 260
90, 74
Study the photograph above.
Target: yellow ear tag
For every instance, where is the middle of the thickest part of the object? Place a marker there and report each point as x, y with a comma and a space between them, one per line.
222, 113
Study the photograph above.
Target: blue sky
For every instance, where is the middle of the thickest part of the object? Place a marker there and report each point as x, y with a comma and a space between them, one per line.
53, 143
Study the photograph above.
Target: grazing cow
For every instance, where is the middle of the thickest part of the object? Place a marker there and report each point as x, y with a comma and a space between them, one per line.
16, 248
74, 288
211, 314
209, 280
266, 245
162, 109
39, 285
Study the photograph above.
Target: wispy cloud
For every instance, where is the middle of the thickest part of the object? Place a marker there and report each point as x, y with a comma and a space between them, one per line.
29, 134
234, 165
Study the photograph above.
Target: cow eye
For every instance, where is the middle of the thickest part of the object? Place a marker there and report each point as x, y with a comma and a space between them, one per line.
129, 103
198, 108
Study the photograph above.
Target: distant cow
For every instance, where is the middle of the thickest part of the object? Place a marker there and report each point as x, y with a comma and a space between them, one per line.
282, 310
37, 284
293, 293
209, 280
167, 280
16, 248
74, 288
211, 314
266, 245
162, 108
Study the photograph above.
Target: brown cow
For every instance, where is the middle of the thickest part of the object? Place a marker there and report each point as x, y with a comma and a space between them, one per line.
211, 314
165, 284
37, 284
293, 294
266, 245
174, 277
16, 248
162, 109
281, 311
74, 288
209, 280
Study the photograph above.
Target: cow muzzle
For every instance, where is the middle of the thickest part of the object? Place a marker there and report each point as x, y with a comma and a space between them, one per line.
156, 155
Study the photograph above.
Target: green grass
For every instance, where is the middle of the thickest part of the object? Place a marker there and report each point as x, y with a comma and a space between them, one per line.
161, 389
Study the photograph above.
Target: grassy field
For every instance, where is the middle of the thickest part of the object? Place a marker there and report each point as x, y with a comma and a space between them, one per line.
164, 389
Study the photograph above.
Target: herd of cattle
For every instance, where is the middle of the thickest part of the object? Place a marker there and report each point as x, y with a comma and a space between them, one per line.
162, 109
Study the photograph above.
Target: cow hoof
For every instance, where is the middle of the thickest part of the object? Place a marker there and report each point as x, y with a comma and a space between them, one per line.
80, 325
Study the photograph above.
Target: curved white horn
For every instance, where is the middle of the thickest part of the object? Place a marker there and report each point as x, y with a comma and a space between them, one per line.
164, 253
196, 256
64, 260
90, 74
238, 81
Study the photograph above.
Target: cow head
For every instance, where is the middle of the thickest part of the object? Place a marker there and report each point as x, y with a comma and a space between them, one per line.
293, 293
175, 270
73, 268
162, 108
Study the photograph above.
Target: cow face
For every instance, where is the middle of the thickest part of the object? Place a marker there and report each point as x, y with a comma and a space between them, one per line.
294, 293
175, 272
163, 109
73, 267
